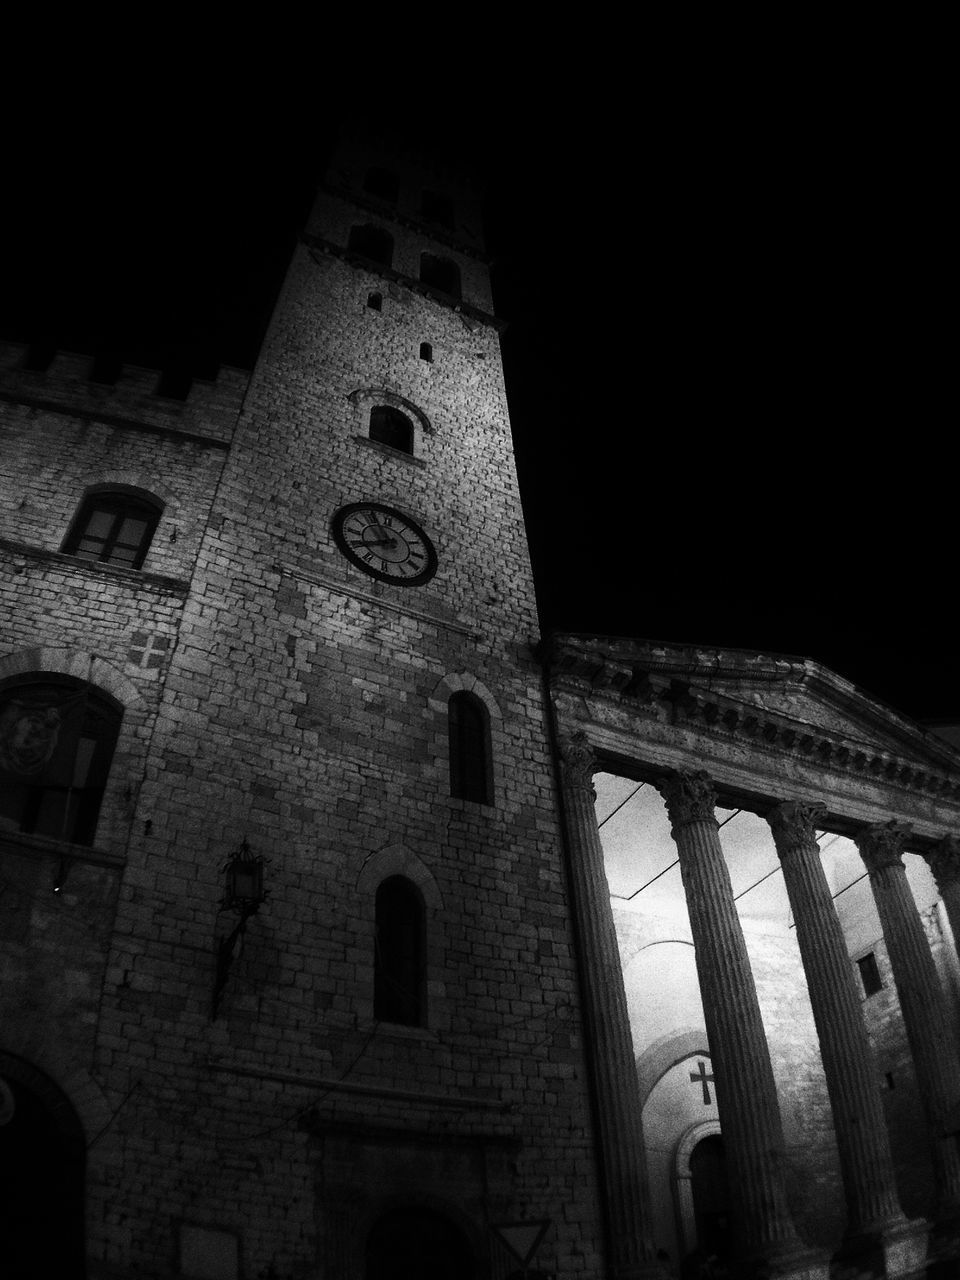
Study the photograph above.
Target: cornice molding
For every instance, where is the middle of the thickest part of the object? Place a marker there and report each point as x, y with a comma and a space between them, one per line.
136, 580
655, 690
317, 244
124, 422
388, 212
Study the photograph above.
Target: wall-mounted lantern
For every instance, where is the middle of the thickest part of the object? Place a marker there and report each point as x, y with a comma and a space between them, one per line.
245, 894
244, 882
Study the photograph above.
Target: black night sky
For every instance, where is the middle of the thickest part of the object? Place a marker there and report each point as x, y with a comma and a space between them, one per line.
726, 360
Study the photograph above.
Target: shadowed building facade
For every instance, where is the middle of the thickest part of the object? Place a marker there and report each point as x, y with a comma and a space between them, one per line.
310, 964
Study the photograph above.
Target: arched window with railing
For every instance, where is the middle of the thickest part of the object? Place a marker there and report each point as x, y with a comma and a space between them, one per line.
440, 274
390, 426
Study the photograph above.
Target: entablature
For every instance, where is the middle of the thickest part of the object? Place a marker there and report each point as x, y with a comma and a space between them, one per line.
765, 728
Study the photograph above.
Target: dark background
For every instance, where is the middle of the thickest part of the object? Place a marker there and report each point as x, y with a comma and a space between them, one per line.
728, 358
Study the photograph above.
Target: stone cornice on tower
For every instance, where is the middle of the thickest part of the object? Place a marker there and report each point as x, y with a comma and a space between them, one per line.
390, 213
318, 244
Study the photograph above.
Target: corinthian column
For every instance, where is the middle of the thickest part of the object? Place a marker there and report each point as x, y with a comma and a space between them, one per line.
874, 1217
609, 1047
746, 1093
921, 1000
944, 860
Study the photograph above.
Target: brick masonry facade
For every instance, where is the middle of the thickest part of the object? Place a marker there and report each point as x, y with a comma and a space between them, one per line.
275, 693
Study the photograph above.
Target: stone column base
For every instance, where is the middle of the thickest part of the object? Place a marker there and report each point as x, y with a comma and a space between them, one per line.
945, 1245
791, 1264
894, 1252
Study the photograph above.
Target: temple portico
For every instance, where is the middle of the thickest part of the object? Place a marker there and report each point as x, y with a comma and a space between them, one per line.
859, 1048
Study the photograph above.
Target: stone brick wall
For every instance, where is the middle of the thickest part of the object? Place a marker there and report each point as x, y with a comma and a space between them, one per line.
277, 694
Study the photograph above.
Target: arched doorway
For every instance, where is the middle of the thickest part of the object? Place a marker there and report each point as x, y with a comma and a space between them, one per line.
417, 1244
711, 1203
41, 1177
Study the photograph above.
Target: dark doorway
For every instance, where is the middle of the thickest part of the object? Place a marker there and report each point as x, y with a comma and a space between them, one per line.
711, 1204
41, 1180
417, 1244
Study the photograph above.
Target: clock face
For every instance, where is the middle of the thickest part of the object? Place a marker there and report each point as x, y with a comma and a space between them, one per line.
384, 543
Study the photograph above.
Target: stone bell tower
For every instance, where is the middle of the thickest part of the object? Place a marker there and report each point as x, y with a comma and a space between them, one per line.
392, 1069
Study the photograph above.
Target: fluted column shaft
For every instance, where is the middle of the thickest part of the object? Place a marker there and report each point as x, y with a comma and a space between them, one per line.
921, 998
944, 860
746, 1092
609, 1044
862, 1142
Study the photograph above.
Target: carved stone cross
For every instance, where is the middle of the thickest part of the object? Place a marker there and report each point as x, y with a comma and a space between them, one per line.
701, 1077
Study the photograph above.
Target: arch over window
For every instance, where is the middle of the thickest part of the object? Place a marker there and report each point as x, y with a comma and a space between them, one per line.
57, 739
382, 183
470, 758
399, 951
114, 526
390, 426
373, 243
440, 273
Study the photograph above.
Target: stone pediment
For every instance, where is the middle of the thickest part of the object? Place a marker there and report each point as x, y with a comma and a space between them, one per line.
779, 700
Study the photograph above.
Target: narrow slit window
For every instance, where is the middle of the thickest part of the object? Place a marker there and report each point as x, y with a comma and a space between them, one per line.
399, 953
469, 730
426, 352
375, 301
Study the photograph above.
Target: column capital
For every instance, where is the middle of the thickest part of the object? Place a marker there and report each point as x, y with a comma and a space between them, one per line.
794, 824
944, 860
578, 762
881, 845
690, 797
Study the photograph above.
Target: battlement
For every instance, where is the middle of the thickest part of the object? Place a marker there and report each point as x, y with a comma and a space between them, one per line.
133, 394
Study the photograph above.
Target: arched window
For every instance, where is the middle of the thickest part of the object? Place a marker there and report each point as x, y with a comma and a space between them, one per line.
113, 528
375, 301
436, 208
57, 738
399, 953
390, 426
469, 728
373, 243
440, 273
426, 352
382, 183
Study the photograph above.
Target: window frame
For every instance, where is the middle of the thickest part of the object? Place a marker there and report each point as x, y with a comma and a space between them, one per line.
33, 805
387, 414
119, 505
